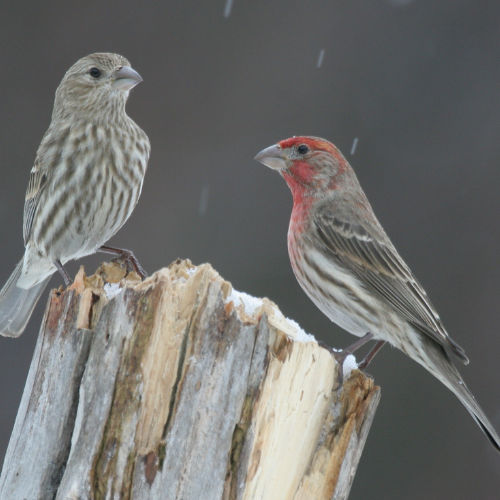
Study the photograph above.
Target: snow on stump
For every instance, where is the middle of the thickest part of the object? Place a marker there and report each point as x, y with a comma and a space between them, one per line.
179, 387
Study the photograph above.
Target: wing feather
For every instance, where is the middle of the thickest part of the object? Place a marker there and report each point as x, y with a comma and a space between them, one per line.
379, 267
36, 184
48, 158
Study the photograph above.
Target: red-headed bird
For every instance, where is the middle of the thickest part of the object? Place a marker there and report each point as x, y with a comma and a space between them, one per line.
347, 265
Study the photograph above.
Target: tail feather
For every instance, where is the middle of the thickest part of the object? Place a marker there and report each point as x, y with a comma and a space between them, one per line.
17, 304
467, 399
444, 370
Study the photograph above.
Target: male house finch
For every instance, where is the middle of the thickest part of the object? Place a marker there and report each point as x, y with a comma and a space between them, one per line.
85, 182
347, 265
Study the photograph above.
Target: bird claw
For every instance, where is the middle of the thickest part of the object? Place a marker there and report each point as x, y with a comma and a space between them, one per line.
341, 355
133, 264
128, 257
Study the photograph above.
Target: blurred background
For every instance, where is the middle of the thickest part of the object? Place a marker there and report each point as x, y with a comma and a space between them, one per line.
413, 84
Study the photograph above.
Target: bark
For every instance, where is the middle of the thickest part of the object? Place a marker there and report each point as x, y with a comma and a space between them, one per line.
178, 387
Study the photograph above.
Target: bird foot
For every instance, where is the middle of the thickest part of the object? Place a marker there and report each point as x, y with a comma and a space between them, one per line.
341, 355
128, 257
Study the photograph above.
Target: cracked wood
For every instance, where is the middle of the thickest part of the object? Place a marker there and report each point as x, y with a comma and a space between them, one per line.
171, 390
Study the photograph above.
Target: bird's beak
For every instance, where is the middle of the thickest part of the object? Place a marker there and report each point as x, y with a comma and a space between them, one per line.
126, 78
272, 157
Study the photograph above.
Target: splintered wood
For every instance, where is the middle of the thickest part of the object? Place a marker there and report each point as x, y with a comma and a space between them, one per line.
178, 387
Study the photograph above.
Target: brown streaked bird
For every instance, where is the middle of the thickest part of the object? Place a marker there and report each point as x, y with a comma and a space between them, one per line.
85, 182
347, 265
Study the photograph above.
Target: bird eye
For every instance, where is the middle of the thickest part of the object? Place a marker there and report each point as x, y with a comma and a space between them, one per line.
302, 149
95, 72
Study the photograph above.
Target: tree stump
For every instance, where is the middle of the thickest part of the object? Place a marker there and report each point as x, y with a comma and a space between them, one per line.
179, 387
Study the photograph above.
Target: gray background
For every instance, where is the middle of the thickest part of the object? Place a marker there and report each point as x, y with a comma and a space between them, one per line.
416, 81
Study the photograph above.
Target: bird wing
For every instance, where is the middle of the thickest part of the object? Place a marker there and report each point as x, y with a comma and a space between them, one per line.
47, 158
378, 266
36, 184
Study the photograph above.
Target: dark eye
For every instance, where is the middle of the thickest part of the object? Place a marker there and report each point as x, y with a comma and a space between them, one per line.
95, 72
302, 149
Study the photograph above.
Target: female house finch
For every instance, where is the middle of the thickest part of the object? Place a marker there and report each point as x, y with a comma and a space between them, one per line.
85, 182
347, 265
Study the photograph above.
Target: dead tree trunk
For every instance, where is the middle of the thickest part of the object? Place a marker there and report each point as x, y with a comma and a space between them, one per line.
179, 387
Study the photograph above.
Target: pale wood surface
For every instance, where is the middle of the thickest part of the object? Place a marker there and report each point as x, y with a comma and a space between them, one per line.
179, 388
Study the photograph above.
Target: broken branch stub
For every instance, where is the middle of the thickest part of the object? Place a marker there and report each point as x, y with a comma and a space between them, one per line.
178, 387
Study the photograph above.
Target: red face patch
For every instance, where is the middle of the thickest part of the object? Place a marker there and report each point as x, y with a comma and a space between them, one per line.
298, 177
313, 171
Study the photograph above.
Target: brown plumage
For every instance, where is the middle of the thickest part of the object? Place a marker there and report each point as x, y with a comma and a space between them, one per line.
85, 182
347, 265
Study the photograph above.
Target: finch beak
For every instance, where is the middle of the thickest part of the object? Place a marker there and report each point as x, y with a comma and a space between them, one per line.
126, 78
272, 157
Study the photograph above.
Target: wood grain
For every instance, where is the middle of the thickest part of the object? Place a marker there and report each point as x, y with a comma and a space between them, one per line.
178, 388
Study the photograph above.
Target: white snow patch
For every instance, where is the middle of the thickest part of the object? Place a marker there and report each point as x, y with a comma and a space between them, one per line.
288, 326
112, 289
301, 334
349, 365
250, 304
191, 270
292, 328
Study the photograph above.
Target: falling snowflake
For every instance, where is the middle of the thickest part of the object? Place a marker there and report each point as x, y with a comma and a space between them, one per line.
227, 8
354, 145
321, 56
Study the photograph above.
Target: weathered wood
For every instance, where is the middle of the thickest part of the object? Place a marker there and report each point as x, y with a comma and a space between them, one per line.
179, 387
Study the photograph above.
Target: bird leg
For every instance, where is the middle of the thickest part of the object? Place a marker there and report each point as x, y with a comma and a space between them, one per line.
340, 356
350, 349
128, 256
371, 354
62, 271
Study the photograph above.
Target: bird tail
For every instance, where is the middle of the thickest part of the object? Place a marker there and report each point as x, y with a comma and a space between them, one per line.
444, 370
17, 304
